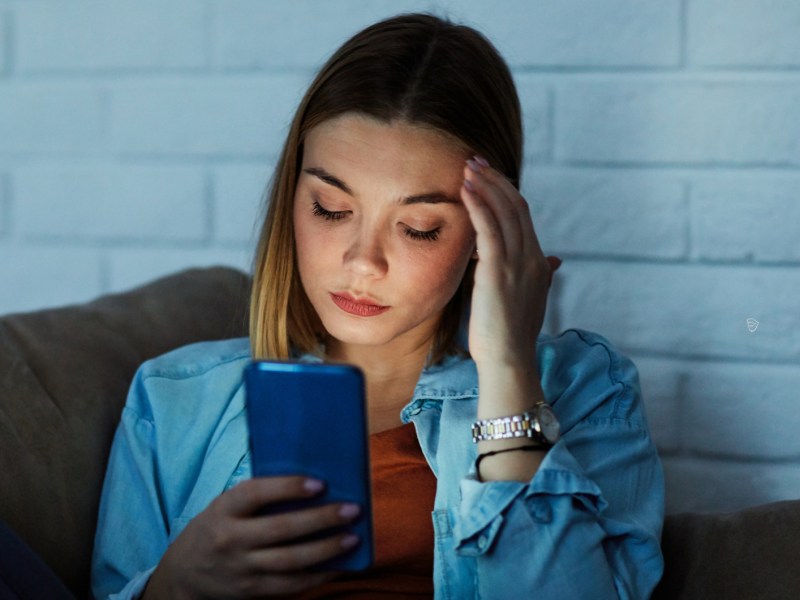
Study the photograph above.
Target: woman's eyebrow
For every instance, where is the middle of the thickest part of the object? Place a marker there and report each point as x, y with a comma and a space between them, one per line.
430, 198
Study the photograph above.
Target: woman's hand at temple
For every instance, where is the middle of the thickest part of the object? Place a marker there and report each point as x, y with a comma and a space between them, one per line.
231, 551
512, 277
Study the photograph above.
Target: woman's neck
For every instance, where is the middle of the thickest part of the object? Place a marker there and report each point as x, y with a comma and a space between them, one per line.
390, 377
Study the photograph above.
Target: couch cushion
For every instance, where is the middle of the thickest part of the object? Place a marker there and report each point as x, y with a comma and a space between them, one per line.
64, 376
23, 575
744, 555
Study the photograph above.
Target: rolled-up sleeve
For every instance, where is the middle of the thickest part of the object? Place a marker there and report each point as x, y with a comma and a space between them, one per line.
588, 524
131, 531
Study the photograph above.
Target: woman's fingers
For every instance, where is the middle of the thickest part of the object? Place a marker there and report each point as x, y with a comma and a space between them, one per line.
231, 550
530, 241
554, 262
489, 240
502, 220
251, 495
503, 213
297, 557
279, 529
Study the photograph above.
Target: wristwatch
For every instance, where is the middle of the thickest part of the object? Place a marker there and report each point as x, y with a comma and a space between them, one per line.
539, 424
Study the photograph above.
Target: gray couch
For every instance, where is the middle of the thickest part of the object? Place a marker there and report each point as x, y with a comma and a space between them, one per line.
64, 374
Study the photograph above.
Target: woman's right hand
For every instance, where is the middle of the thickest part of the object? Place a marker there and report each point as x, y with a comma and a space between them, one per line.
231, 551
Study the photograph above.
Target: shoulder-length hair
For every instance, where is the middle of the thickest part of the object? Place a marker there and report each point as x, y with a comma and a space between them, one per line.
417, 68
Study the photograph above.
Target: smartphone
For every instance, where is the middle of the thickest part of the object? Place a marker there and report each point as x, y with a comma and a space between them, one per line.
311, 419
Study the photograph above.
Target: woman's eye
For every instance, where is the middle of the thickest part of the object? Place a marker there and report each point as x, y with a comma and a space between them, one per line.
330, 215
428, 236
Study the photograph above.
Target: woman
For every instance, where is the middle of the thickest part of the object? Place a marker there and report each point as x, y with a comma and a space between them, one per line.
395, 206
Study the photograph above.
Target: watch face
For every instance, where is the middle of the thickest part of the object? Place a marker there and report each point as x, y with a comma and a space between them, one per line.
549, 424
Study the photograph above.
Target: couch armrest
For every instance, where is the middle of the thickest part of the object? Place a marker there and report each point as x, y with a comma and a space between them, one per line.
64, 377
23, 574
747, 554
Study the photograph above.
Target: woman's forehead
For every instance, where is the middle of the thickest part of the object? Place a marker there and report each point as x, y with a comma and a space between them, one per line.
356, 131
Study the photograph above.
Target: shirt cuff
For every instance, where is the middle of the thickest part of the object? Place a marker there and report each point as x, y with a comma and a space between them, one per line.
483, 503
134, 589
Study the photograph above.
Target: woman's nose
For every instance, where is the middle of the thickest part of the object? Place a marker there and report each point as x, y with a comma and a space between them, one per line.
366, 254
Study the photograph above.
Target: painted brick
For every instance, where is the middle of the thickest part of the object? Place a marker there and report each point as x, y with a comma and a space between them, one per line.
746, 217
748, 33
696, 485
215, 116
93, 34
542, 33
301, 34
5, 42
36, 277
129, 268
679, 123
112, 202
5, 206
239, 195
663, 386
608, 213
686, 310
726, 402
537, 129
711, 409
42, 117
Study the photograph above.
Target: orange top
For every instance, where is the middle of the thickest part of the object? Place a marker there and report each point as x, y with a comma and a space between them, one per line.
403, 489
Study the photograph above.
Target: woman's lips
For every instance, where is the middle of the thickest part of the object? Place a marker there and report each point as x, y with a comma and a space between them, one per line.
357, 308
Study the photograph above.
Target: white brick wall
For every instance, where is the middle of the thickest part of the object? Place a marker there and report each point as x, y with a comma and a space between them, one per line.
678, 121
92, 35
746, 217
109, 202
45, 118
577, 33
757, 33
252, 34
216, 116
662, 146
5, 42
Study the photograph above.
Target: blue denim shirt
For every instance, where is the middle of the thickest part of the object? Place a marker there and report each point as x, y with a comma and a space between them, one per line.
587, 525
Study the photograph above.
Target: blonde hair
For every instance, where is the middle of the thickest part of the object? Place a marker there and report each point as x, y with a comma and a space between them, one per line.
417, 68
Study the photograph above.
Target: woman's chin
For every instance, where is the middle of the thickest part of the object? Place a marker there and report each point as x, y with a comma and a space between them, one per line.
376, 331
347, 335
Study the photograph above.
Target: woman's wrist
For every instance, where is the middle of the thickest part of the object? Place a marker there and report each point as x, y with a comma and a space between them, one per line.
161, 585
507, 390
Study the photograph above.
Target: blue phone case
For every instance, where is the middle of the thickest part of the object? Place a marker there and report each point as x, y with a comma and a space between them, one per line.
310, 419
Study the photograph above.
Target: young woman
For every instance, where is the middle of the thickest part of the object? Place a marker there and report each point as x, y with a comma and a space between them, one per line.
396, 239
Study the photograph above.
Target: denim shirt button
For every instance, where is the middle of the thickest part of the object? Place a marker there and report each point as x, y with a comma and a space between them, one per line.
416, 411
542, 513
482, 541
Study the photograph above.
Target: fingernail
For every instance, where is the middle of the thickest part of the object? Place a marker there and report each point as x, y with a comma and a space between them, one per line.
473, 165
482, 161
349, 541
348, 511
469, 185
313, 485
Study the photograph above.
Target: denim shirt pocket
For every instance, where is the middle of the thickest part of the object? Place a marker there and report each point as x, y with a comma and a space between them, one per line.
481, 517
178, 524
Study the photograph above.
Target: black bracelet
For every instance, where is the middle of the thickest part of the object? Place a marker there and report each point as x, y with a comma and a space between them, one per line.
526, 448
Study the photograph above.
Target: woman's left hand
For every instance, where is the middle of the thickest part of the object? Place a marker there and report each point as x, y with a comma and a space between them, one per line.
512, 277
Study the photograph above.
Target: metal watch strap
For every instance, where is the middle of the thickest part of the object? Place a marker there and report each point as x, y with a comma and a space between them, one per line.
515, 426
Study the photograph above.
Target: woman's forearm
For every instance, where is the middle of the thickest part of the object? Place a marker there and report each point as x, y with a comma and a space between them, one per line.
506, 391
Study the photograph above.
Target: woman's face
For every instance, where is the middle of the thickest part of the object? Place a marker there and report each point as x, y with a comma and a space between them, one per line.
377, 264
